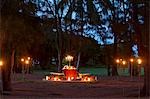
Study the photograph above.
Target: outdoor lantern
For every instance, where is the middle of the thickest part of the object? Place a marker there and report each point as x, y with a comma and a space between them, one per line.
29, 58
123, 62
117, 61
27, 62
139, 61
22, 60
131, 60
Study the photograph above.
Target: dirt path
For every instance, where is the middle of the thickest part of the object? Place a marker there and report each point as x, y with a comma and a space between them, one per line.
33, 87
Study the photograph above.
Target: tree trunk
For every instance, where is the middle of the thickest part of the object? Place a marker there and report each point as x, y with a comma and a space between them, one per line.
59, 61
108, 70
114, 70
78, 60
12, 60
146, 87
114, 67
6, 70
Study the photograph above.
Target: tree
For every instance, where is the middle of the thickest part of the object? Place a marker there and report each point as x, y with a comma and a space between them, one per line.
140, 22
17, 34
146, 87
56, 11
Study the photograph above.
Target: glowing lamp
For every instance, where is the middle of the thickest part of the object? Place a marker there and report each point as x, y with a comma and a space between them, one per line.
117, 61
29, 58
123, 62
131, 60
139, 61
27, 62
22, 59
1, 63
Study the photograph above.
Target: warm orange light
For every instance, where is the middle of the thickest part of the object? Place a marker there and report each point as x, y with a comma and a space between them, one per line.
1, 63
47, 77
121, 59
55, 79
29, 58
117, 61
88, 79
139, 61
123, 62
72, 78
131, 60
69, 58
69, 79
22, 59
27, 62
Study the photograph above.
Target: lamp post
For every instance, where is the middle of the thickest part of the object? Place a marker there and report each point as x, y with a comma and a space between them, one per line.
23, 71
27, 65
124, 63
69, 59
131, 66
139, 61
22, 61
1, 64
117, 61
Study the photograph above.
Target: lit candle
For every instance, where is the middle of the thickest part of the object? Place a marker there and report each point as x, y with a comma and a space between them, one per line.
47, 77
88, 79
69, 79
55, 79
72, 78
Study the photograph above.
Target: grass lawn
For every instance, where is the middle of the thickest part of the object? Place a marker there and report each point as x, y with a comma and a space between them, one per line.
103, 71
92, 70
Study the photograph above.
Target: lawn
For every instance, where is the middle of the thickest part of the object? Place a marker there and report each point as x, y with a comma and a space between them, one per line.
103, 71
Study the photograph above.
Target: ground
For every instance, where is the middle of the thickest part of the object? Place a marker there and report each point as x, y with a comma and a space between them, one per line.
33, 87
